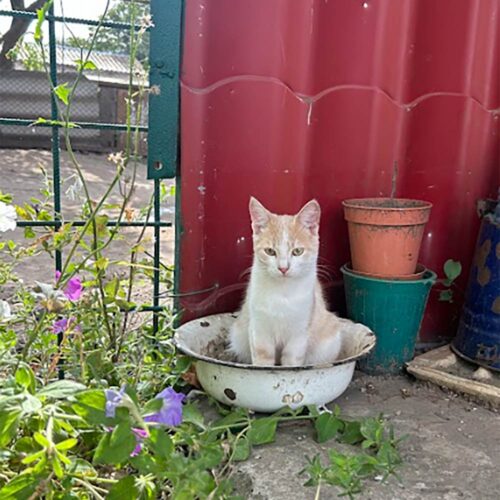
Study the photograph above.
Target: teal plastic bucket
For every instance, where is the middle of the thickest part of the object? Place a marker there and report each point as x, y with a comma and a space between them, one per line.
393, 310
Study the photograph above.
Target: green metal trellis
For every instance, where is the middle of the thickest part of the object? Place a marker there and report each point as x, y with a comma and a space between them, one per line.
165, 47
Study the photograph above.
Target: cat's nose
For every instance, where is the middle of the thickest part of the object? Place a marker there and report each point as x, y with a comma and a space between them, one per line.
283, 270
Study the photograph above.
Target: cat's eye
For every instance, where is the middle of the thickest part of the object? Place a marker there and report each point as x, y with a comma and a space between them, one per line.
270, 251
297, 251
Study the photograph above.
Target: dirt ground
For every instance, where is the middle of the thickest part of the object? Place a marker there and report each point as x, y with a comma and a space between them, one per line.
21, 176
451, 450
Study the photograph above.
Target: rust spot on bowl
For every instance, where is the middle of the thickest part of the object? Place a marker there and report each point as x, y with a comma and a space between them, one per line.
230, 394
289, 399
204, 323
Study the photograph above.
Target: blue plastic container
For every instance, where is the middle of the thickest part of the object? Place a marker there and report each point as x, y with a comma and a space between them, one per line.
478, 337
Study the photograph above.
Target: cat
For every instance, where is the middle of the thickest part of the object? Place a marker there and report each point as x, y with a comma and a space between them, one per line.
284, 319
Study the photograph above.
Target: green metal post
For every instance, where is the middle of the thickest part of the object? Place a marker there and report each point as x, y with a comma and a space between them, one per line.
56, 163
156, 256
164, 58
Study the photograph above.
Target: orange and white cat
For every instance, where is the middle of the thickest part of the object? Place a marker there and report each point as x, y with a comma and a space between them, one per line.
284, 319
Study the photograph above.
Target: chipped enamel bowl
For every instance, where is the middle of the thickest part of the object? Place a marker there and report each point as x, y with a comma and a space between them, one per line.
267, 389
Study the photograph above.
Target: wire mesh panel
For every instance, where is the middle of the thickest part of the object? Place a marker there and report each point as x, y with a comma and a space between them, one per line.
30, 115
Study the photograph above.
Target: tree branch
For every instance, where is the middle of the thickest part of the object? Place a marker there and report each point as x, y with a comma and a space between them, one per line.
18, 28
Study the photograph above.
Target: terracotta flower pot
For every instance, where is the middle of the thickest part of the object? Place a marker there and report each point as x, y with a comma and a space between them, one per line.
385, 234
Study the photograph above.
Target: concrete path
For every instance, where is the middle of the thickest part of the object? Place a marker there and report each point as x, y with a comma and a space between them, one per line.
452, 450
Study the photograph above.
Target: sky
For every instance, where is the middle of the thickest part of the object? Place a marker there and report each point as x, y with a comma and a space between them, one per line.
86, 9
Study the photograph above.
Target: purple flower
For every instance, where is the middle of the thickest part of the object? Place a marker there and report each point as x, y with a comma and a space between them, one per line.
140, 434
74, 288
64, 324
113, 399
60, 325
171, 410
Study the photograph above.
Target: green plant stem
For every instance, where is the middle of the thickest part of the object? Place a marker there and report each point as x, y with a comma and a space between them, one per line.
32, 338
133, 257
233, 452
318, 490
95, 490
78, 169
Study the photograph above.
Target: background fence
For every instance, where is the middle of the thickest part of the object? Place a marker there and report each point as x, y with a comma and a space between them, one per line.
99, 114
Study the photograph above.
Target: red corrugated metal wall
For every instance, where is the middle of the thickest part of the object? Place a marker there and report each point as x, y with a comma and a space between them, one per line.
293, 99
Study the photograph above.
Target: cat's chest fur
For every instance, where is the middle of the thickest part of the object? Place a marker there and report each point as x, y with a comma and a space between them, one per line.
282, 304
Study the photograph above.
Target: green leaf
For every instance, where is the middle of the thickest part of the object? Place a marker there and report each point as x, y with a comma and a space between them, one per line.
41, 14
210, 456
313, 410
372, 429
327, 427
57, 468
63, 458
242, 448
152, 406
55, 123
26, 445
62, 92
83, 65
29, 233
26, 378
161, 443
31, 404
41, 440
352, 433
182, 364
33, 457
452, 269
237, 417
262, 431
446, 296
192, 415
9, 422
83, 468
116, 447
91, 406
61, 389
21, 487
124, 489
102, 264
67, 444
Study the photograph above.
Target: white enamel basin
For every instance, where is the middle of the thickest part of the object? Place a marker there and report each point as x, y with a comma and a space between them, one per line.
267, 389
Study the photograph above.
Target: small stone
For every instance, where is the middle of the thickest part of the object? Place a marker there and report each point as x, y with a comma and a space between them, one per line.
482, 375
405, 393
370, 388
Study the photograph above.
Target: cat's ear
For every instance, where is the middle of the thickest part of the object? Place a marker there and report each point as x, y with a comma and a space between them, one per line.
259, 214
309, 216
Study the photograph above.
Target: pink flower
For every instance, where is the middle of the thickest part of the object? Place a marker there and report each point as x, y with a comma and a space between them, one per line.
140, 434
74, 288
